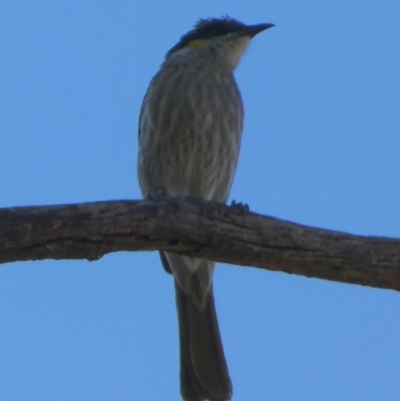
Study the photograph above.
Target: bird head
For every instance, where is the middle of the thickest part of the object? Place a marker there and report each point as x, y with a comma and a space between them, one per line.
222, 39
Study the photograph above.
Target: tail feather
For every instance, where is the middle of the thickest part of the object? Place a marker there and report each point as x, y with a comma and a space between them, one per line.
204, 372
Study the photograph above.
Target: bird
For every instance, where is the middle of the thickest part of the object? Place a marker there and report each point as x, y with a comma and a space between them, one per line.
190, 129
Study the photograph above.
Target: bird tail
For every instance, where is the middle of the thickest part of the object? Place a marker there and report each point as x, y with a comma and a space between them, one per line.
204, 372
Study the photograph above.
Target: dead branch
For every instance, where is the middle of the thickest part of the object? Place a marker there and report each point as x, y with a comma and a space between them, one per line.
197, 228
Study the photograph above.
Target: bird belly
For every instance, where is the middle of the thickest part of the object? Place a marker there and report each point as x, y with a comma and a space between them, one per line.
197, 165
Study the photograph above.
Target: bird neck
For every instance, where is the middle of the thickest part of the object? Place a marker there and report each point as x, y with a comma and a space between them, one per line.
216, 58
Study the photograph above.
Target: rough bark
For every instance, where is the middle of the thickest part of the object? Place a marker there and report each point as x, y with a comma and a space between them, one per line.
198, 228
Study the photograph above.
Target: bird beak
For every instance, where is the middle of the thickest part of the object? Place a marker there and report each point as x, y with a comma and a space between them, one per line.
253, 30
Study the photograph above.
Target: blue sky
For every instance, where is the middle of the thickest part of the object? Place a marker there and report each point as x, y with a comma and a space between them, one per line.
321, 147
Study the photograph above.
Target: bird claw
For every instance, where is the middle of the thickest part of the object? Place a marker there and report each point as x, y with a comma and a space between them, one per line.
242, 208
157, 196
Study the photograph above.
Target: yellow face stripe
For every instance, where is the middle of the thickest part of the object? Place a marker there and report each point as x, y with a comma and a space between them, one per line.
198, 44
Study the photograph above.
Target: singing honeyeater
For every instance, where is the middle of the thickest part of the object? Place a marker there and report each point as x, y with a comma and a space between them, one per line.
190, 129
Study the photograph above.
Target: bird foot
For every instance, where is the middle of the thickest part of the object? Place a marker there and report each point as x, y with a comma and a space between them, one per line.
157, 196
242, 208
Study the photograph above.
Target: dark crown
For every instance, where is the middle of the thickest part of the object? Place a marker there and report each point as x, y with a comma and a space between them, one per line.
209, 28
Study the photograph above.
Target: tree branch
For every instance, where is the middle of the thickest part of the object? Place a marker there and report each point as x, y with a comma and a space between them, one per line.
197, 228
